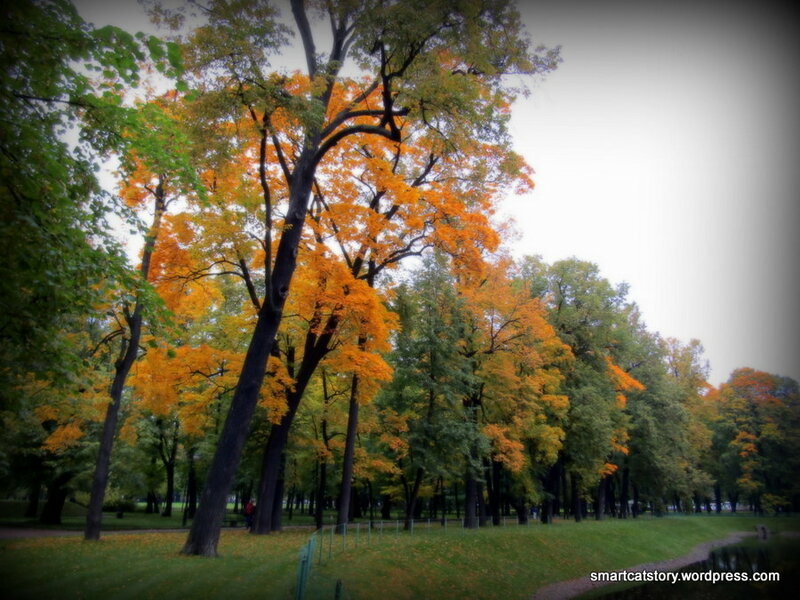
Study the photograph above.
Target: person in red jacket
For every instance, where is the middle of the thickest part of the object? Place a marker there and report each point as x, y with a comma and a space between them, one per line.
249, 511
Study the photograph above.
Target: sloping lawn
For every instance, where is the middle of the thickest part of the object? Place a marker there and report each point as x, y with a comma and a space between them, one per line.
503, 562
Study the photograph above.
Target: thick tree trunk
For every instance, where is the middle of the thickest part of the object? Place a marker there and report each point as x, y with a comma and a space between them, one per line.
717, 498
470, 500
316, 347
635, 508
204, 533
57, 492
386, 507
277, 504
349, 454
270, 473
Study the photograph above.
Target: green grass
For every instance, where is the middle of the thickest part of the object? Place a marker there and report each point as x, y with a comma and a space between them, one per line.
513, 562
148, 565
504, 562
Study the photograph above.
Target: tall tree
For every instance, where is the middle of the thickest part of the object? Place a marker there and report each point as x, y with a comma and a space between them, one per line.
756, 437
156, 171
405, 62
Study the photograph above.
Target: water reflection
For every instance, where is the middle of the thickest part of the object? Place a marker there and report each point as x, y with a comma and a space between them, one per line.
754, 556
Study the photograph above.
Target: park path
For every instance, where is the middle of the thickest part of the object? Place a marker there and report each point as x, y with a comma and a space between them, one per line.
12, 533
569, 589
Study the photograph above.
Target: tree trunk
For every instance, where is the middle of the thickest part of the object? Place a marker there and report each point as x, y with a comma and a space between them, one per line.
470, 500
123, 366
718, 498
170, 468
349, 453
128, 354
495, 492
482, 516
169, 455
386, 507
635, 508
623, 493
191, 485
204, 534
57, 492
411, 503
152, 505
611, 504
277, 504
521, 508
371, 503
322, 485
600, 500
576, 498
316, 347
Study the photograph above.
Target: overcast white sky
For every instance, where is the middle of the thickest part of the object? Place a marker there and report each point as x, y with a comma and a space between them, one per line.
666, 149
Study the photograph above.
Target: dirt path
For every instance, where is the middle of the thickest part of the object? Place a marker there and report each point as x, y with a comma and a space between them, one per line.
11, 533
569, 589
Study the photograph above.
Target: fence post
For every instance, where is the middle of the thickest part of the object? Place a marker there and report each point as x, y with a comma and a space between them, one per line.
304, 568
338, 593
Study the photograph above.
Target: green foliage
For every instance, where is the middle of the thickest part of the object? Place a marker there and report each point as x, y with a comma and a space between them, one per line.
61, 113
431, 378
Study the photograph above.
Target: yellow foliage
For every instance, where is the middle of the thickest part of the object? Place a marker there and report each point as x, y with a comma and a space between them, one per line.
63, 437
607, 469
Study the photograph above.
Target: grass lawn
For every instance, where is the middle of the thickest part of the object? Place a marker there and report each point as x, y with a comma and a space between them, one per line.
513, 562
503, 562
147, 565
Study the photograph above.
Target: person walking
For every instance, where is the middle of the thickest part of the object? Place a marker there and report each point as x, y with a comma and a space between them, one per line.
249, 511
